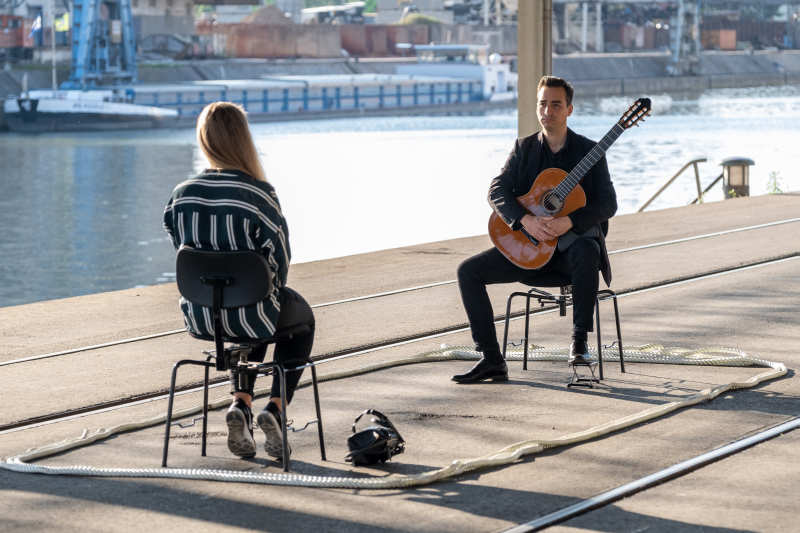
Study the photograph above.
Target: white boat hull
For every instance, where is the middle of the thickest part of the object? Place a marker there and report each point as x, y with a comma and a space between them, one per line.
45, 114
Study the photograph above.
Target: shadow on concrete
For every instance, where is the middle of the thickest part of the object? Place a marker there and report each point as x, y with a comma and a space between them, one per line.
490, 502
524, 506
613, 519
758, 399
177, 502
619, 387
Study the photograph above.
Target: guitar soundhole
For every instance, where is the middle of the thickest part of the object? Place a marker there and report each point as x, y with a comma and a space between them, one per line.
552, 203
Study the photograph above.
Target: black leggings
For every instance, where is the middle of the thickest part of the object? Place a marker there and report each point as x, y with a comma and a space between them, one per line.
289, 352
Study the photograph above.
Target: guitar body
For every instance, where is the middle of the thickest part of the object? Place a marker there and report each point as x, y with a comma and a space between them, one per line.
540, 200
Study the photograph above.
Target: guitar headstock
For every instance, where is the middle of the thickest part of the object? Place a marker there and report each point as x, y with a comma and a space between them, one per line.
635, 113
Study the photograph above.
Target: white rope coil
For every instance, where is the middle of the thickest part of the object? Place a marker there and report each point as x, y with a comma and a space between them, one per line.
651, 353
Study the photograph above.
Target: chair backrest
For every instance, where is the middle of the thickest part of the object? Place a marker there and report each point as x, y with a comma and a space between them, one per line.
245, 276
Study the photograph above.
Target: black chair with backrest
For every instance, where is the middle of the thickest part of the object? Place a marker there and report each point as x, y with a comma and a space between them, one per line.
221, 280
562, 300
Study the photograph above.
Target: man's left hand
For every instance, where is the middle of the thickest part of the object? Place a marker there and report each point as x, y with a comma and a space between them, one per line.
558, 225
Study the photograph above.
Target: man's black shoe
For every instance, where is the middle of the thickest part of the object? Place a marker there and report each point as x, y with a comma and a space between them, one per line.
483, 370
579, 353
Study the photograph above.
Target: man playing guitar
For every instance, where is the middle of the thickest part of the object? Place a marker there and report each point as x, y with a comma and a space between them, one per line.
581, 250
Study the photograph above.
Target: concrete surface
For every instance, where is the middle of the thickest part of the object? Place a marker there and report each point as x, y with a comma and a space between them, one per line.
753, 310
748, 502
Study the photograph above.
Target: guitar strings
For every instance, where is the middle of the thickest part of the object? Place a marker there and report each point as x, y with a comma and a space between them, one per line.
588, 161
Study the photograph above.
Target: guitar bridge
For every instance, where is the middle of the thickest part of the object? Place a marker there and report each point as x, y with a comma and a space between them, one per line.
530, 237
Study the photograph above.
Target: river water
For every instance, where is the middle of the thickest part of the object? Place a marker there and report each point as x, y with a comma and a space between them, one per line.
81, 213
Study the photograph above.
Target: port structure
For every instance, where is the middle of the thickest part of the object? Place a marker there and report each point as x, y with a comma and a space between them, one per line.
103, 44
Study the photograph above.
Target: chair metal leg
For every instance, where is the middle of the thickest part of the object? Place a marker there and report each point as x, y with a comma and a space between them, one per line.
205, 413
170, 402
319, 415
169, 414
282, 378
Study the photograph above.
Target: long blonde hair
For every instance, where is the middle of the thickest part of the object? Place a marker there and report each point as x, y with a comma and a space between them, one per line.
224, 137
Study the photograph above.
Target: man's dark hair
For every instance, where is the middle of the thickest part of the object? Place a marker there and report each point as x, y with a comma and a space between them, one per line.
554, 81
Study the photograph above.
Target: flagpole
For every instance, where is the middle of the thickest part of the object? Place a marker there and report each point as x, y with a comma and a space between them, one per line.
52, 4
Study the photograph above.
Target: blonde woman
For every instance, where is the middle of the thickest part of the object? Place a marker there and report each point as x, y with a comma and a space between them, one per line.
230, 206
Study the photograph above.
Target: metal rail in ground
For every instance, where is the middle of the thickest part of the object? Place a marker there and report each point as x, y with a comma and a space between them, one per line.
388, 293
51, 418
657, 478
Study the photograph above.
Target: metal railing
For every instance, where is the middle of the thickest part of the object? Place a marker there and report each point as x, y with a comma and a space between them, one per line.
700, 191
700, 198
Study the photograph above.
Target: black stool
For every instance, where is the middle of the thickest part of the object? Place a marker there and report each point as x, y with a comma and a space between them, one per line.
221, 280
563, 299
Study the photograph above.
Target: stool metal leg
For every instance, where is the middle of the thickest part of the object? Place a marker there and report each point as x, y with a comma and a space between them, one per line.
319, 415
505, 329
508, 318
619, 334
599, 337
527, 332
613, 295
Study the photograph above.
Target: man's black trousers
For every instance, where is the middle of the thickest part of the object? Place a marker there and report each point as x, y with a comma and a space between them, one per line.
580, 263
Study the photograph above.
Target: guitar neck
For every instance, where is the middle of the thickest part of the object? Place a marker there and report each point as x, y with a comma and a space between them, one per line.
588, 161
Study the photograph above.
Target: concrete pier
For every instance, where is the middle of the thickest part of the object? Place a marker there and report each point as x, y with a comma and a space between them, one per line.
729, 288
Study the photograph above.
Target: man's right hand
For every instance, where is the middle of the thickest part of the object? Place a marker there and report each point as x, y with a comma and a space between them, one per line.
538, 228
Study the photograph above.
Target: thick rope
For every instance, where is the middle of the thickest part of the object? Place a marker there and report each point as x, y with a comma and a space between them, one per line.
507, 455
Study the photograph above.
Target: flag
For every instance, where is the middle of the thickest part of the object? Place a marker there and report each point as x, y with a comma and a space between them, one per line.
37, 25
62, 22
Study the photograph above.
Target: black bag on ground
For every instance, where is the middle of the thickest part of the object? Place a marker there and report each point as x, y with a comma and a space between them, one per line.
376, 443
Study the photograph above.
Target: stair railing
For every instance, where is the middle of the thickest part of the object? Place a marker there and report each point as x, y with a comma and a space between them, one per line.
700, 192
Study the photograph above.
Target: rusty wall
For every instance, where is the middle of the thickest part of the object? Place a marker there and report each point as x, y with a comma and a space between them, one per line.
415, 34
379, 40
763, 32
278, 40
354, 39
719, 39
501, 39
15, 32
359, 40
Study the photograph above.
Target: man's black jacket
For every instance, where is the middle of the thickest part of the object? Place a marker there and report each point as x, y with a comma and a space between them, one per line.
529, 157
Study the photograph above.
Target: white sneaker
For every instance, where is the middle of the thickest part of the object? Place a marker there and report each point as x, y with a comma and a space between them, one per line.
240, 430
270, 423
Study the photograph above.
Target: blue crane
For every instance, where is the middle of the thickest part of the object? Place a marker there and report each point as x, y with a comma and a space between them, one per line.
103, 44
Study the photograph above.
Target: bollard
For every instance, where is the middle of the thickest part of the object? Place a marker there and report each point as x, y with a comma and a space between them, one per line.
736, 176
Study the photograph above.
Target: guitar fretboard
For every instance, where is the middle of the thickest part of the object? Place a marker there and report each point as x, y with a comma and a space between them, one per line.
588, 161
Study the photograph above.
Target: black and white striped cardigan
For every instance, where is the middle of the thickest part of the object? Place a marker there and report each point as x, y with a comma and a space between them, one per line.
229, 210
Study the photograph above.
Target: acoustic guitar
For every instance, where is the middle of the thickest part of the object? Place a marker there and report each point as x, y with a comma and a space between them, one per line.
556, 193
